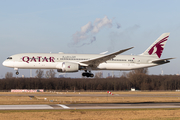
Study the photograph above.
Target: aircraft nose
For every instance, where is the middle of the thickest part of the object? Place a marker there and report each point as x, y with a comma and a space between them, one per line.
4, 63
8, 63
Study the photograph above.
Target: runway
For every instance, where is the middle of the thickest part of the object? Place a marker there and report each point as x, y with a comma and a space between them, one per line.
90, 106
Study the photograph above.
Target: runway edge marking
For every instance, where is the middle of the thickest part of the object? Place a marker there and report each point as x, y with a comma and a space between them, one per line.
63, 106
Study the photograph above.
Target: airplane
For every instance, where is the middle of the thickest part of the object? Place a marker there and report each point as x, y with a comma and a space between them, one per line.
88, 62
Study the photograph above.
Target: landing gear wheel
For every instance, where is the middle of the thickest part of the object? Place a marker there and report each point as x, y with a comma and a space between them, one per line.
91, 75
87, 74
17, 73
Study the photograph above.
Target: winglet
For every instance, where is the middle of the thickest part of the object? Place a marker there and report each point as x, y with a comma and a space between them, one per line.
103, 52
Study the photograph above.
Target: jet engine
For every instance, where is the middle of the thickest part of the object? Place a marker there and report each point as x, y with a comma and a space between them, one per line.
67, 67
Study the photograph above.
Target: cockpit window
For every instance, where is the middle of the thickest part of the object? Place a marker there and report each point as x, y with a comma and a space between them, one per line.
9, 58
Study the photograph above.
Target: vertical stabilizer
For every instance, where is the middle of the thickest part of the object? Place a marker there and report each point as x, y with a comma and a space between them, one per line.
157, 47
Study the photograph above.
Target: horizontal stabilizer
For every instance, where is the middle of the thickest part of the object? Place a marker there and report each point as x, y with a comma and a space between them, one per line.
162, 61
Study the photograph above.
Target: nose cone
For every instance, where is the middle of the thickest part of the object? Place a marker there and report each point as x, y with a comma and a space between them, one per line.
4, 63
8, 63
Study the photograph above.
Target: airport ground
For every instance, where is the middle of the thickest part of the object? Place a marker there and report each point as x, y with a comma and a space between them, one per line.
92, 98
105, 114
9, 98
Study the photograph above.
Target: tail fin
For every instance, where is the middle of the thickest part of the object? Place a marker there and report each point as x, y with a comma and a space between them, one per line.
157, 47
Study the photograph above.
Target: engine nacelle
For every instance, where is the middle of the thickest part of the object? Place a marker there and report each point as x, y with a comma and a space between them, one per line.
67, 67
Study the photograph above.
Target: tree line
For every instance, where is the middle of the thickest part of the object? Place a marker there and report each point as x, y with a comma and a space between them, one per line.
139, 80
39, 74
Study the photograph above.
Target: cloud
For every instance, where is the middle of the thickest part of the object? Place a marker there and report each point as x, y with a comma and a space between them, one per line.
86, 28
99, 23
91, 41
89, 30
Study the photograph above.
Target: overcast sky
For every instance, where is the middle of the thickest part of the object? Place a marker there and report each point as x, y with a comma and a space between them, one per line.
88, 26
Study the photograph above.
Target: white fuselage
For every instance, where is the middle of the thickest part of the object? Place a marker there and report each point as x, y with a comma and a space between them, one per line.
53, 61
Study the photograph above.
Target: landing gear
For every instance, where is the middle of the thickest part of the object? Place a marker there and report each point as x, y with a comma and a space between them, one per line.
17, 73
87, 74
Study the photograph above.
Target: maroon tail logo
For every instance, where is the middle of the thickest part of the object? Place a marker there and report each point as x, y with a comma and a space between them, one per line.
158, 47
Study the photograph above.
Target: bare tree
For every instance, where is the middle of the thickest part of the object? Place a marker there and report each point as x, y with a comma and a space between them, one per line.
99, 87
124, 74
39, 73
9, 75
137, 77
50, 74
99, 75
137, 71
141, 70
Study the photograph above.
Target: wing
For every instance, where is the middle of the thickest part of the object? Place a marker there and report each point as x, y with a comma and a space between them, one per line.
162, 61
96, 61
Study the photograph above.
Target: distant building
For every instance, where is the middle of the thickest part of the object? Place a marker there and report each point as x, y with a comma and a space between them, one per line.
133, 89
27, 90
61, 76
109, 74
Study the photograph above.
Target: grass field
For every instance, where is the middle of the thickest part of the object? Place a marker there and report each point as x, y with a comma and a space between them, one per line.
122, 114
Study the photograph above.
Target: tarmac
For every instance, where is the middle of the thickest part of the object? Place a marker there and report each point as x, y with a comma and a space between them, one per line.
90, 106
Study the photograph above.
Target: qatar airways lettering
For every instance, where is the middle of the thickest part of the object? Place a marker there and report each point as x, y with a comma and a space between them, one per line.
88, 62
37, 59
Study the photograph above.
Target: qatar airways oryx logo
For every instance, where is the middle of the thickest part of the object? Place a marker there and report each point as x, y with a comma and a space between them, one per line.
37, 59
158, 47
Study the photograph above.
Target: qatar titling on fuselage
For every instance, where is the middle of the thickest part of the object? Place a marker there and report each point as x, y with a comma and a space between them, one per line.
88, 62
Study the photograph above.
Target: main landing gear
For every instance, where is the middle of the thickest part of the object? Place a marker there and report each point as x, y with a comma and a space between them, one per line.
87, 74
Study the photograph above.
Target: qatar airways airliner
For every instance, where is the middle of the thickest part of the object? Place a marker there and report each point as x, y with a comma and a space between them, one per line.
88, 62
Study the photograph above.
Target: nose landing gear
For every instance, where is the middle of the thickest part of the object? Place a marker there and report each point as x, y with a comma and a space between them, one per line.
17, 73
